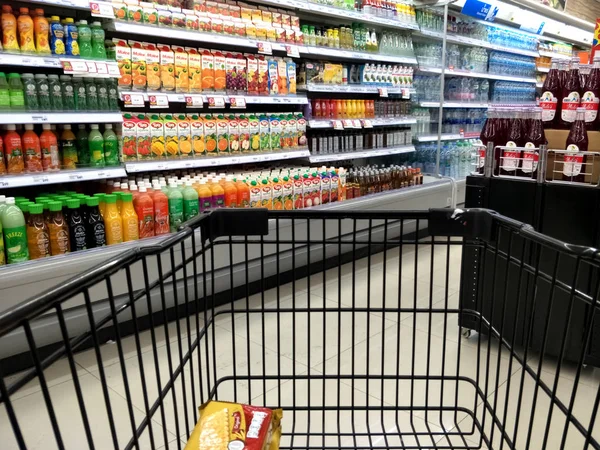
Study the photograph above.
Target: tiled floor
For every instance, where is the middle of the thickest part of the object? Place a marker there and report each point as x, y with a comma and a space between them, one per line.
382, 356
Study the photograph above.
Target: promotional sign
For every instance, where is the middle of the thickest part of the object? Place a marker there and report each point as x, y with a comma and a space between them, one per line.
480, 10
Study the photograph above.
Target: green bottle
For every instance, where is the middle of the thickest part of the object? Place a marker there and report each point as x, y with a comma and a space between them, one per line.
96, 147
80, 94
83, 149
15, 233
175, 207
111, 146
4, 96
102, 94
190, 202
98, 49
84, 39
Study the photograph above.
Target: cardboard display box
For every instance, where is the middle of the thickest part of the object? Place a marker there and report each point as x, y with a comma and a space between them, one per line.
557, 141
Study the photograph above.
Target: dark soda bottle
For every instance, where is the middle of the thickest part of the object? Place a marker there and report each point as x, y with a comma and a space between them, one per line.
591, 95
577, 141
534, 137
551, 92
571, 95
511, 157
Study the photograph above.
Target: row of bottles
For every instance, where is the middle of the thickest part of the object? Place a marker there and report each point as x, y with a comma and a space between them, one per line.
369, 180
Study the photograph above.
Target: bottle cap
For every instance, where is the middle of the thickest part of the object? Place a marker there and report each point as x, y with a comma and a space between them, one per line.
55, 206
73, 203
29, 126
83, 22
93, 126
110, 198
126, 197
92, 201
36, 209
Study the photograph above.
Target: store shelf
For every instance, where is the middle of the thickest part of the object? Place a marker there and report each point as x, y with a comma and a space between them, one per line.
55, 62
64, 176
446, 137
350, 88
448, 104
467, 73
543, 69
362, 154
147, 166
327, 123
78, 4
350, 54
463, 40
555, 55
250, 99
70, 117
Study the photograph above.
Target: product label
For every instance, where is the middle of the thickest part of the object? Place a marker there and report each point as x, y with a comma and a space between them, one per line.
99, 234
573, 161
190, 207
530, 159
590, 102
15, 240
175, 215
218, 200
481, 159
510, 158
548, 103
569, 107
42, 245
116, 232
79, 237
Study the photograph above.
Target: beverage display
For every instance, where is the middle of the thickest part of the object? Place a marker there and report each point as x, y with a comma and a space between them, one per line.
325, 142
457, 158
322, 108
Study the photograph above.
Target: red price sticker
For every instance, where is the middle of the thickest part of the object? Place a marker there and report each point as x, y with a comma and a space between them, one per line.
347, 123
264, 48
237, 102
383, 92
74, 66
405, 93
292, 51
194, 101
102, 9
338, 125
158, 101
132, 100
367, 123
216, 102
356, 123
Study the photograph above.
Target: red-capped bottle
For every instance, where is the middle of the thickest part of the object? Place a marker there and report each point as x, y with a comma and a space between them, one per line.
571, 95
577, 141
591, 96
549, 100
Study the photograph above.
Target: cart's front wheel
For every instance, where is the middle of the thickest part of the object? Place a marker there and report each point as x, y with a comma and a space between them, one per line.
466, 332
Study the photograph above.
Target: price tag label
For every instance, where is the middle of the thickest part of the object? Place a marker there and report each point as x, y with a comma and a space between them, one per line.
405, 93
113, 69
50, 62
264, 48
237, 102
39, 118
91, 67
216, 102
76, 176
292, 51
74, 65
40, 180
383, 92
367, 123
133, 100
4, 184
461, 133
194, 101
347, 123
338, 125
102, 68
158, 100
102, 9
356, 123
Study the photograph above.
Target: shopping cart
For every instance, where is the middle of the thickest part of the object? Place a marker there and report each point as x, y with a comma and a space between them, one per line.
349, 321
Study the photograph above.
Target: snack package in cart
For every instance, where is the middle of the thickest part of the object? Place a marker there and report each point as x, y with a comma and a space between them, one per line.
233, 426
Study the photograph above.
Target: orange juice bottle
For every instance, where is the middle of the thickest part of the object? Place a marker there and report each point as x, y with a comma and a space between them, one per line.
144, 207
230, 193
161, 213
32, 150
243, 194
26, 34
112, 221
342, 110
10, 41
131, 231
218, 195
41, 30
205, 196
13, 149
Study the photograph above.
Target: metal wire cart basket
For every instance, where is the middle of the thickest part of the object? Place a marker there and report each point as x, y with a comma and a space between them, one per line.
445, 329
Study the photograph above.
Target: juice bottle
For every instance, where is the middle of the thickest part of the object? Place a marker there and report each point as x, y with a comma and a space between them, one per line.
571, 95
71, 36
4, 93
58, 229
161, 213
98, 35
266, 194
204, 196
190, 202
41, 30
31, 150
591, 96
16, 92
255, 195
95, 146
57, 36
95, 230
84, 39
534, 137
13, 150
15, 232
231, 194
83, 146
112, 221
243, 194
129, 217
77, 231
277, 194
2, 164
510, 158
577, 141
111, 146
144, 207
10, 41
175, 207
25, 29
218, 195
38, 237
68, 145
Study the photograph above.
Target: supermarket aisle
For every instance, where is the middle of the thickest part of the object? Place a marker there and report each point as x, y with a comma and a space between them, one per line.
326, 342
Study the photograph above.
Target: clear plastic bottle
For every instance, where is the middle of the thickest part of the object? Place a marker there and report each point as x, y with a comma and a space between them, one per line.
84, 39
98, 48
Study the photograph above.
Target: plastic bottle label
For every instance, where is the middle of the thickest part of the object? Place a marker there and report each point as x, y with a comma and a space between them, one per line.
573, 161
79, 237
569, 107
530, 159
175, 214
590, 102
218, 200
191, 209
99, 233
510, 158
205, 204
17, 98
548, 103
4, 98
15, 240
